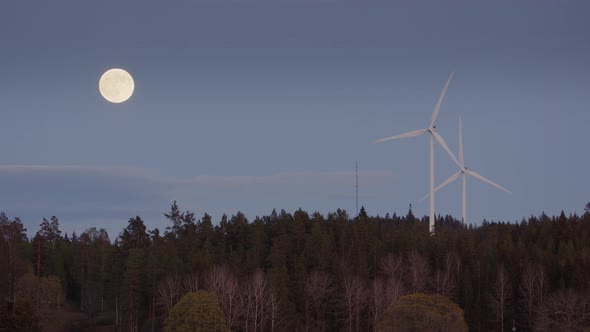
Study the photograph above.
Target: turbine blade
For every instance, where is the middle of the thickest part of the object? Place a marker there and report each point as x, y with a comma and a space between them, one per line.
461, 158
404, 135
444, 145
443, 184
440, 99
476, 175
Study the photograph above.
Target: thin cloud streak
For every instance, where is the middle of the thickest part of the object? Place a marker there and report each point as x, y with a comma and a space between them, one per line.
77, 194
368, 178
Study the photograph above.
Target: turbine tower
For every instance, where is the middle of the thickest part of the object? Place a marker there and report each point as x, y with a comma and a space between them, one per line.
433, 136
463, 172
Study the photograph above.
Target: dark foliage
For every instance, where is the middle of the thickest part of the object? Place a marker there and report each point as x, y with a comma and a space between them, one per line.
295, 271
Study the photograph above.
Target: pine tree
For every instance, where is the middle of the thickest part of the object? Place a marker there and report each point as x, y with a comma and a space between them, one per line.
205, 240
176, 218
134, 243
14, 235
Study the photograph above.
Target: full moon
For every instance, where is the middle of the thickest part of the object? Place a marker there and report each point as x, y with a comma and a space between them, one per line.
116, 85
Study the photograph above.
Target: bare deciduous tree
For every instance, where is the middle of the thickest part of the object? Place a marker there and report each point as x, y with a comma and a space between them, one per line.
223, 283
446, 279
191, 283
500, 294
378, 301
393, 271
273, 305
529, 290
418, 272
168, 292
255, 301
392, 266
354, 300
564, 311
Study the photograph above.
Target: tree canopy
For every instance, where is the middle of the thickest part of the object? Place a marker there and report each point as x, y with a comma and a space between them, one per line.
299, 270
422, 312
199, 311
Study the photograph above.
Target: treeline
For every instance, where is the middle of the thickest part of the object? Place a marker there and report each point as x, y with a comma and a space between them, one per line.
300, 271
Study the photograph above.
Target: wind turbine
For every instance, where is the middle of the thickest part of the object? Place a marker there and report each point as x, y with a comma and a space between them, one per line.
463, 172
433, 136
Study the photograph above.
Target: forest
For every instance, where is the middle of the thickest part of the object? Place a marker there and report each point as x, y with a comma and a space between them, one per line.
295, 272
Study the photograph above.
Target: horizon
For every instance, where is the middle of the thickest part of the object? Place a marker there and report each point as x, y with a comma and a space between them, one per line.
215, 220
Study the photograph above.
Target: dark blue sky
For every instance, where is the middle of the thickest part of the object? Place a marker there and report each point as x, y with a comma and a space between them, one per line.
255, 105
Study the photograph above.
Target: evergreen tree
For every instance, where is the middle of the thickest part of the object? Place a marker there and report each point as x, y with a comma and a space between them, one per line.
134, 235
14, 239
176, 218
206, 243
134, 243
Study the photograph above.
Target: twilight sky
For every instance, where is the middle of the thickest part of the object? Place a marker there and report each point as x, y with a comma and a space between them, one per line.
254, 105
